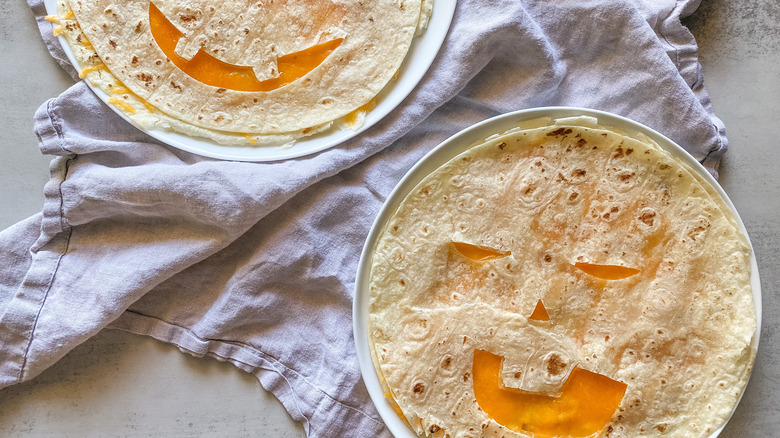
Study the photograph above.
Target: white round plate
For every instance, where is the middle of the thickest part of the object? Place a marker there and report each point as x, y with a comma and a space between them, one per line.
453, 146
420, 57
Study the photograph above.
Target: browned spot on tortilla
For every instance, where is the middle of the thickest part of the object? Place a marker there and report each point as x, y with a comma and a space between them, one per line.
556, 365
560, 131
146, 78
648, 218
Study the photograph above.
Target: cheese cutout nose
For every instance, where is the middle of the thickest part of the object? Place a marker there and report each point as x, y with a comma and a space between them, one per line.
209, 70
583, 407
540, 312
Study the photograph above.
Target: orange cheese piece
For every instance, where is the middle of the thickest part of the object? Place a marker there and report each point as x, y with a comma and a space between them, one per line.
540, 312
585, 404
477, 252
606, 272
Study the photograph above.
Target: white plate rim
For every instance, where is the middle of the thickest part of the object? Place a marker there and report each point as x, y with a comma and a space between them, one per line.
421, 56
451, 147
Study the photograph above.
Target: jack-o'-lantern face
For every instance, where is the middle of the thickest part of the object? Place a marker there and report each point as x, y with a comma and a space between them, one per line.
190, 52
553, 282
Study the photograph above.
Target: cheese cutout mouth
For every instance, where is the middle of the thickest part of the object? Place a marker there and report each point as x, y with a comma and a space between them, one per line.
583, 407
209, 70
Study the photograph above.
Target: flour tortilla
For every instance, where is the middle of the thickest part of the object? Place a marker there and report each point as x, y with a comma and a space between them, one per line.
678, 333
376, 38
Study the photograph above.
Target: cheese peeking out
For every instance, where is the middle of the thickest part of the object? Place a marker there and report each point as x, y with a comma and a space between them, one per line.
252, 140
120, 90
124, 105
85, 42
352, 118
87, 70
56, 18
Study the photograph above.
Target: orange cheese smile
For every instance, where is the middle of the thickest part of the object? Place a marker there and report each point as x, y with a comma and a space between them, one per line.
585, 404
212, 71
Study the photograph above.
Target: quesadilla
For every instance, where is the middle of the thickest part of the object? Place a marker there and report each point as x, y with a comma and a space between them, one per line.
242, 71
563, 280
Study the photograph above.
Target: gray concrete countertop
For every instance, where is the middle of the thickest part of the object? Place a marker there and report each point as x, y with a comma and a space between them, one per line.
119, 384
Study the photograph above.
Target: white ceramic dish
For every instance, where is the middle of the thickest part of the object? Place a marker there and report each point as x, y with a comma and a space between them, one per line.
420, 57
443, 153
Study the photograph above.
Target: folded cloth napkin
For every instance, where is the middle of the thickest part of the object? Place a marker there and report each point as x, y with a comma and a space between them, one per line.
254, 263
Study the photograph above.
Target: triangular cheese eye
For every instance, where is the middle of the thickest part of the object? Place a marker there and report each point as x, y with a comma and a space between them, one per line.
606, 272
583, 407
540, 313
478, 253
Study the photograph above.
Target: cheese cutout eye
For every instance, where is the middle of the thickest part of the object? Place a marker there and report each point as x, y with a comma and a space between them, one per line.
540, 313
606, 272
478, 253
584, 405
211, 71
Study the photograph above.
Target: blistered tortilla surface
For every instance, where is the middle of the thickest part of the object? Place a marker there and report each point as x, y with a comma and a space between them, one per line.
376, 38
678, 334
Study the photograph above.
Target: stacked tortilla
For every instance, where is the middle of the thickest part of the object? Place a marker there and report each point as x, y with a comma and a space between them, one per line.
638, 269
236, 72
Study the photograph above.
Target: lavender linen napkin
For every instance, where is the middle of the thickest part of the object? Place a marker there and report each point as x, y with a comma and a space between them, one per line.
254, 263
